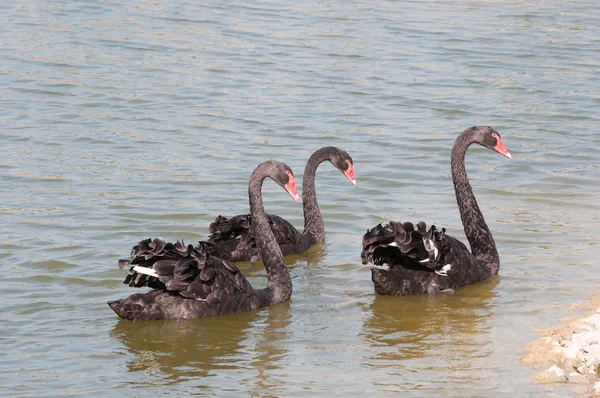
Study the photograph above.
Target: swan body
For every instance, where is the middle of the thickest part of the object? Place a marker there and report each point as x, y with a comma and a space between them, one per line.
231, 238
422, 260
188, 282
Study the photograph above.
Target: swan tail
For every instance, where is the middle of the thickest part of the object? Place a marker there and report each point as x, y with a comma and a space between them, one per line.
396, 243
150, 259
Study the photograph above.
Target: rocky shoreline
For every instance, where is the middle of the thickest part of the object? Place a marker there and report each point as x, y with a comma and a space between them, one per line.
570, 353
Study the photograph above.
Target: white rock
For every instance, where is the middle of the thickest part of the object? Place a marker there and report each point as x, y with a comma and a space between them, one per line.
593, 321
593, 351
597, 386
554, 374
588, 360
580, 341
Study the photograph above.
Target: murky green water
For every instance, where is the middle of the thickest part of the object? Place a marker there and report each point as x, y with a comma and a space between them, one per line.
126, 120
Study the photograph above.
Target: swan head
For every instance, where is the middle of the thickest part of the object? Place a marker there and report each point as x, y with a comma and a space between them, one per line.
490, 138
343, 162
280, 173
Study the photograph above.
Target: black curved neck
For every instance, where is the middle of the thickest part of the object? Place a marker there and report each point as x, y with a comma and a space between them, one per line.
477, 232
279, 281
313, 221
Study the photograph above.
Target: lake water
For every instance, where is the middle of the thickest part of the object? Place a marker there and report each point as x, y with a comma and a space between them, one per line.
127, 120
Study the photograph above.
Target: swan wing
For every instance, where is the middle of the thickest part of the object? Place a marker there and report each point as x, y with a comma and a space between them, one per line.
186, 271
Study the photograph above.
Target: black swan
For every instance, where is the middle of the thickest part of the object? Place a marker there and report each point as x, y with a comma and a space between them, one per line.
232, 239
189, 283
429, 261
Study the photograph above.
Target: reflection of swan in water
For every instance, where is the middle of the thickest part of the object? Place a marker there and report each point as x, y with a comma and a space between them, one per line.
207, 351
180, 350
269, 351
428, 327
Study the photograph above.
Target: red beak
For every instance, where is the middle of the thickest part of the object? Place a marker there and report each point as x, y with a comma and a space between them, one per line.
501, 149
350, 174
290, 188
